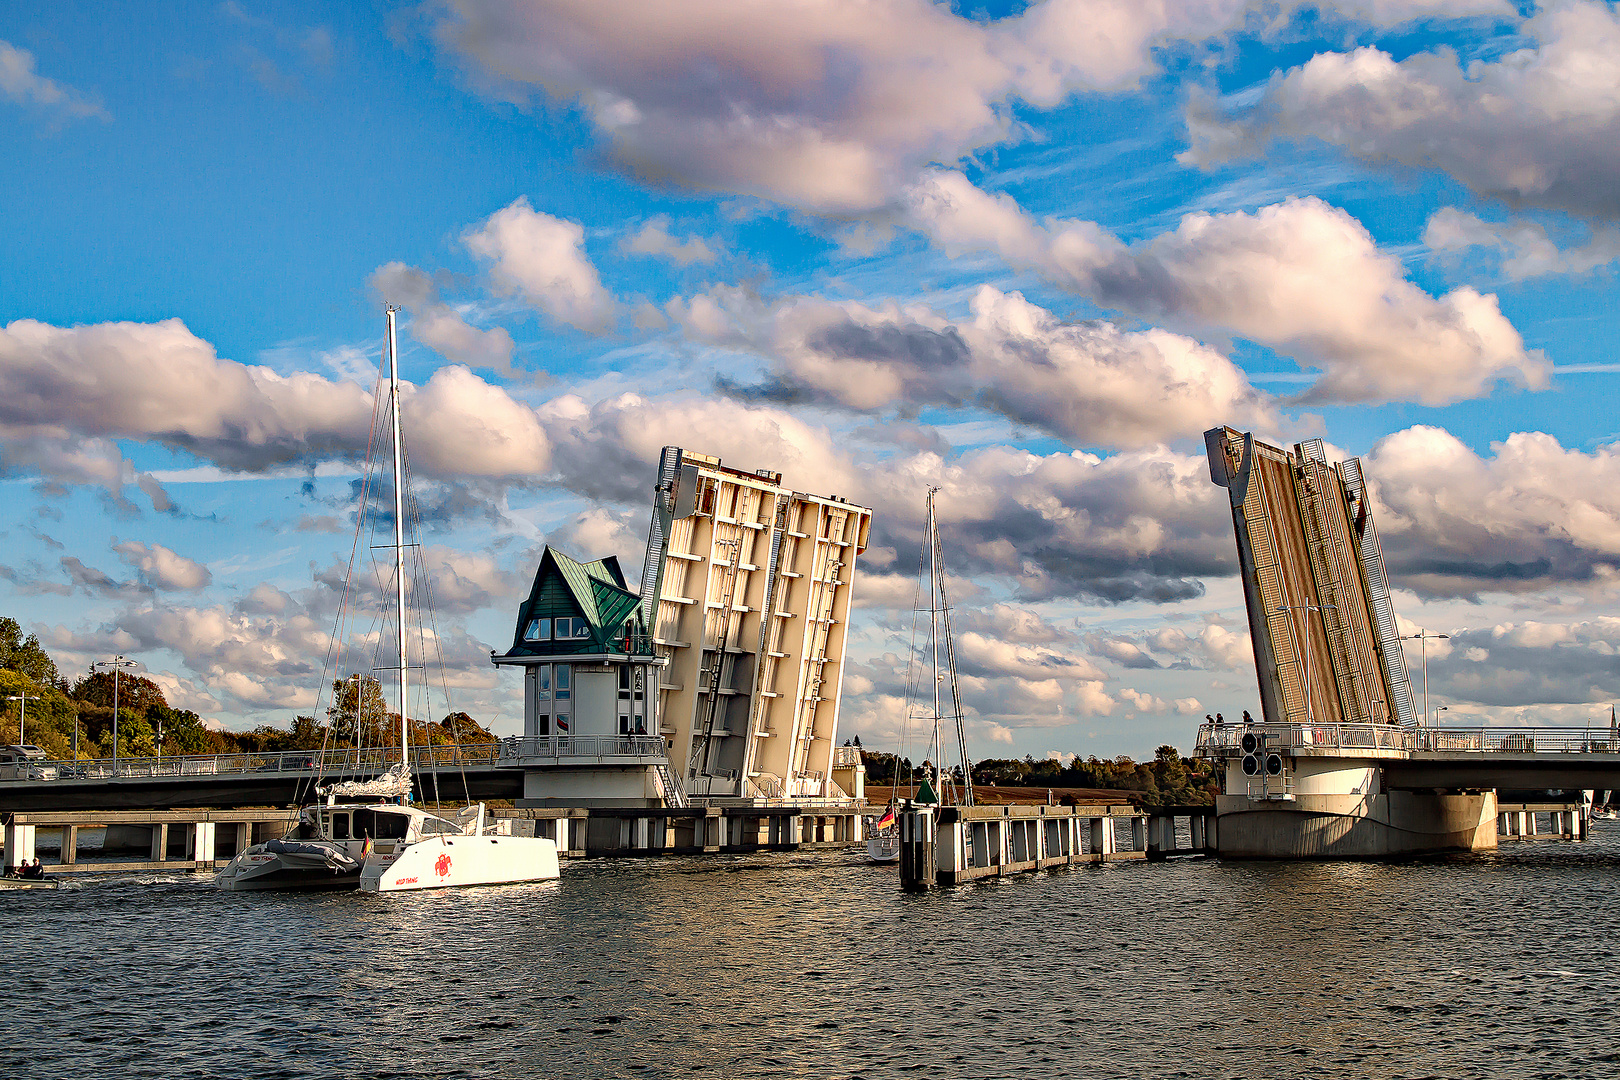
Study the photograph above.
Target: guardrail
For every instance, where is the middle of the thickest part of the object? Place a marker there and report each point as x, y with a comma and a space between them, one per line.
582, 746
1225, 740
1486, 740
313, 762
1214, 739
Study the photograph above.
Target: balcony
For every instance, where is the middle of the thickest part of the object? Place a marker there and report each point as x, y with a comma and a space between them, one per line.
582, 750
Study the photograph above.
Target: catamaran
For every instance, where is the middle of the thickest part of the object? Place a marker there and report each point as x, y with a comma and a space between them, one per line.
385, 844
883, 833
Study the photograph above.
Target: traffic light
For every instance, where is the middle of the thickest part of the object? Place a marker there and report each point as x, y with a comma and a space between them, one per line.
1257, 760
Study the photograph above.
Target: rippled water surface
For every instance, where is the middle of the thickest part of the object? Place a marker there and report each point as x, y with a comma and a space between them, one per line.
816, 965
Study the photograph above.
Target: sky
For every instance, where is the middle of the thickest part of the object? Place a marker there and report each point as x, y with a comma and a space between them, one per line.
1024, 253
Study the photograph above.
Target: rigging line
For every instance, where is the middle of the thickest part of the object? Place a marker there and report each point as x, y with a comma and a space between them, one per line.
334, 645
913, 675
431, 609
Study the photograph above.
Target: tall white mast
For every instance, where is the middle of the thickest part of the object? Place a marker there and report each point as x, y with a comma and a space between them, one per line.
399, 538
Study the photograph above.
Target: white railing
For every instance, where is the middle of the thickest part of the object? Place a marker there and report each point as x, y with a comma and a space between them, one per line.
301, 762
1227, 740
583, 746
845, 757
1486, 740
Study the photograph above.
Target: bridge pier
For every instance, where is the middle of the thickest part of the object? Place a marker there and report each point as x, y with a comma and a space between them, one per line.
19, 843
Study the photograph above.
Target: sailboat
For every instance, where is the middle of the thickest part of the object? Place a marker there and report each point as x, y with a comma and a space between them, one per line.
385, 844
938, 785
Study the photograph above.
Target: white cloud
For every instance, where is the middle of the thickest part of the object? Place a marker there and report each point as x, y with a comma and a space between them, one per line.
1088, 383
21, 83
1301, 277
1533, 513
1524, 247
1539, 126
830, 105
440, 326
655, 239
542, 260
163, 569
67, 393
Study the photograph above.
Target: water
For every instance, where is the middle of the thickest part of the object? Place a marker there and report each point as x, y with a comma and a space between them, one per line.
816, 965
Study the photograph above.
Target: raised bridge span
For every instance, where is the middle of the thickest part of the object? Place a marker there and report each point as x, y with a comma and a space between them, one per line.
1342, 765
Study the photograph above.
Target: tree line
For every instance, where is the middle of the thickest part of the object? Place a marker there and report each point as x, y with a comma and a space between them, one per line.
62, 712
1168, 780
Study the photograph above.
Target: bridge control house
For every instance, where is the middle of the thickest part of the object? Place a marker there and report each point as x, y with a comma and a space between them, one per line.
590, 724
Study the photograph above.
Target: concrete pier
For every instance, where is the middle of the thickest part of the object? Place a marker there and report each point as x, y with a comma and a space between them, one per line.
1524, 821
950, 845
170, 839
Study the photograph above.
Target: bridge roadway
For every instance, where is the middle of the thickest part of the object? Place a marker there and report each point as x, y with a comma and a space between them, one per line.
469, 772
1419, 759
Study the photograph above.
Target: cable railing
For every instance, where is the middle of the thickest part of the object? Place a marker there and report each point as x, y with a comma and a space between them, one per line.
1223, 740
313, 763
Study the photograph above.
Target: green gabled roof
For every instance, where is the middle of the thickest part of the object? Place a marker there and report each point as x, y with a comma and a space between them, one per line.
567, 588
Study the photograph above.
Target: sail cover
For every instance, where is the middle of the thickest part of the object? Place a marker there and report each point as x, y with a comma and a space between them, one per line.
391, 784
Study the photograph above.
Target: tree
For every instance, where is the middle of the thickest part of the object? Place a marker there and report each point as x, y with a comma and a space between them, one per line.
136, 693
24, 655
358, 715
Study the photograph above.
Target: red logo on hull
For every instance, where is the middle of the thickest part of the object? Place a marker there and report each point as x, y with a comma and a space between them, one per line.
442, 867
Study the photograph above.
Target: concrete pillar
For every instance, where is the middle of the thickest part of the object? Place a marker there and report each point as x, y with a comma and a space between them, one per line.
244, 836
1195, 829
1503, 827
160, 843
1529, 827
1106, 842
202, 841
641, 834
1138, 834
19, 844
70, 845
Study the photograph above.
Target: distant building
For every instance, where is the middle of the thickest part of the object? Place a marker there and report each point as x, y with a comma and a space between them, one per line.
747, 588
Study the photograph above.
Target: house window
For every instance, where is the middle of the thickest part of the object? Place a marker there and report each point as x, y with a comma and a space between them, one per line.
562, 683
542, 724
624, 724
538, 630
542, 682
565, 629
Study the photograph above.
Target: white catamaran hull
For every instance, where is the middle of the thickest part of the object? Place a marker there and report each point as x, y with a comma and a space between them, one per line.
441, 862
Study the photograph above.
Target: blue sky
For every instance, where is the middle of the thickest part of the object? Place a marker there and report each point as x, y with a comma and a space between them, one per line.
1023, 252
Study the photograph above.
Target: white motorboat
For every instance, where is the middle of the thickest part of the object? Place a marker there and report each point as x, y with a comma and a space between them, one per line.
389, 845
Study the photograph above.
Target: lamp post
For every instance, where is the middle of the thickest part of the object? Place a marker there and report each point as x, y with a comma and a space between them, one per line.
1423, 637
117, 663
1289, 609
22, 712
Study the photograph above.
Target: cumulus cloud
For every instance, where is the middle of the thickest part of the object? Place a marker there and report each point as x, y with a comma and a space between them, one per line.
1530, 663
1213, 647
1533, 513
1300, 276
655, 239
438, 325
1525, 249
541, 259
830, 105
1539, 126
67, 393
21, 83
1088, 383
163, 569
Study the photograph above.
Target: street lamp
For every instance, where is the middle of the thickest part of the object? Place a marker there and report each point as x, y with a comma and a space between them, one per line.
1288, 609
1423, 637
117, 663
22, 712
